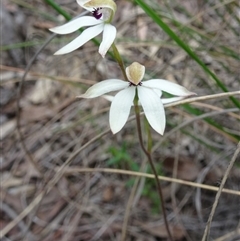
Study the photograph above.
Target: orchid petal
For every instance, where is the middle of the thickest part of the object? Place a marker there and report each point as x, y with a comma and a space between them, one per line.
120, 108
153, 109
167, 86
76, 24
81, 40
108, 97
158, 92
109, 34
104, 87
172, 99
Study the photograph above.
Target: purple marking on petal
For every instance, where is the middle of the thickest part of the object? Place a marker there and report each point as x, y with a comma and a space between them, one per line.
132, 84
96, 13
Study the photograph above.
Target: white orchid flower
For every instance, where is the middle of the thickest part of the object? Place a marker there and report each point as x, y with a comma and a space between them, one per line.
149, 93
103, 12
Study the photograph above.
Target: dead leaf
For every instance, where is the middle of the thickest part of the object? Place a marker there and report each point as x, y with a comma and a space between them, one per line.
27, 189
178, 232
7, 128
27, 169
42, 91
142, 29
11, 181
107, 194
13, 201
187, 169
36, 113
179, 57
167, 190
43, 25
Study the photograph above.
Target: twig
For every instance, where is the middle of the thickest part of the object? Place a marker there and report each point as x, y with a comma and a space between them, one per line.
213, 113
20, 88
209, 222
214, 107
104, 227
130, 203
230, 236
22, 215
206, 97
147, 175
12, 214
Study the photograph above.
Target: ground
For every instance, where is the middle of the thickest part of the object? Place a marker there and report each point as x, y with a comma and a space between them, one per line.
61, 167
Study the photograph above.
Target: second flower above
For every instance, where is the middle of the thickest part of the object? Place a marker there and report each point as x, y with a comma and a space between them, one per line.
103, 12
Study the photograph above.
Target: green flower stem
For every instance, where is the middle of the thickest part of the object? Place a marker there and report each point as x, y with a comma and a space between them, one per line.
118, 58
149, 156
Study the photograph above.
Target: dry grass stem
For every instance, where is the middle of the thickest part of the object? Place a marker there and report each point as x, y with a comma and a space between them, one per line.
219, 192
132, 173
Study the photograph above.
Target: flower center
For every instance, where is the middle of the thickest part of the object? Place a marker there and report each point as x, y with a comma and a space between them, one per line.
132, 84
97, 13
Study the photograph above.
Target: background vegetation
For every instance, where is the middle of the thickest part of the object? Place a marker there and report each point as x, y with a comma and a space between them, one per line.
56, 150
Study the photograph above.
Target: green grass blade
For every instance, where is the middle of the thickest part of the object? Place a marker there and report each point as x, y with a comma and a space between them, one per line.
58, 9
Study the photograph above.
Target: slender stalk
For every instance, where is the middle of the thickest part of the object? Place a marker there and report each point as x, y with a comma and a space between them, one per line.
148, 154
119, 60
149, 137
19, 91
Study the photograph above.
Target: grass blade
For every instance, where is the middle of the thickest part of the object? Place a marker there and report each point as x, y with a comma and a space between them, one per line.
184, 46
